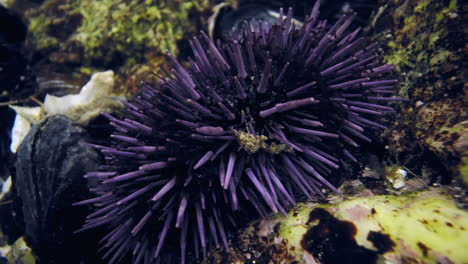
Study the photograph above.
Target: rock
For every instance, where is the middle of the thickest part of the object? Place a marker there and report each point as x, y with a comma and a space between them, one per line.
426, 41
50, 166
417, 227
442, 128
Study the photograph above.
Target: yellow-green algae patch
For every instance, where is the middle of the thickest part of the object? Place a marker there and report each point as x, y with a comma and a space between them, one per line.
109, 32
426, 227
133, 24
418, 45
129, 37
252, 143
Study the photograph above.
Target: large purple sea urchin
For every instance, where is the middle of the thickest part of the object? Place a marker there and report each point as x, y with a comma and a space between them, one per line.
255, 120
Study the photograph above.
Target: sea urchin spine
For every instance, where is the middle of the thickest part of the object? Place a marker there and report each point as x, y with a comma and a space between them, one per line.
255, 120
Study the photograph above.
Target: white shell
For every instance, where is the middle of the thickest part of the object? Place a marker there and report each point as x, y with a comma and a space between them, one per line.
95, 97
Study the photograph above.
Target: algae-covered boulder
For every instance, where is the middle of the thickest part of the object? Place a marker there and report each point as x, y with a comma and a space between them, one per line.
426, 41
419, 227
129, 37
108, 31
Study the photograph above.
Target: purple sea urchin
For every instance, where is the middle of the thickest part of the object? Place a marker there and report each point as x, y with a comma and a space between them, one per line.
256, 119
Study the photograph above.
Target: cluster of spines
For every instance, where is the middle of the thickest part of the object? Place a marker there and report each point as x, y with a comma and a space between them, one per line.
176, 163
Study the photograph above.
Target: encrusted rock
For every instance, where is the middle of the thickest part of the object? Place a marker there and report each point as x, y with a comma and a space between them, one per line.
426, 41
417, 227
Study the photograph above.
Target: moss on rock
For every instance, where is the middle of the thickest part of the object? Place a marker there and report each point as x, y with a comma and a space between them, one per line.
425, 46
426, 43
108, 29
87, 35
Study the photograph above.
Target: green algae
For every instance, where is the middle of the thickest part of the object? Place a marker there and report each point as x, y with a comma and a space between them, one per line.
419, 26
108, 32
134, 25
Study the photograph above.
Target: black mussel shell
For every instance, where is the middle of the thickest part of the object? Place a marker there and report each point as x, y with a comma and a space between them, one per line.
50, 165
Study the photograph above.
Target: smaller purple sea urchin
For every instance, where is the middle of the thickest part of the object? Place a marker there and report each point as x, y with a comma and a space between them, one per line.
255, 120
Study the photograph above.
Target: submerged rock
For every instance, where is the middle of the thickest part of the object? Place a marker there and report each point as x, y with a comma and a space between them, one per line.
419, 227
50, 166
426, 41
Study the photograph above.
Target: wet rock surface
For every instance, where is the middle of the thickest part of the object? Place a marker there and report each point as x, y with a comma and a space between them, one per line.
426, 41
50, 166
415, 227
